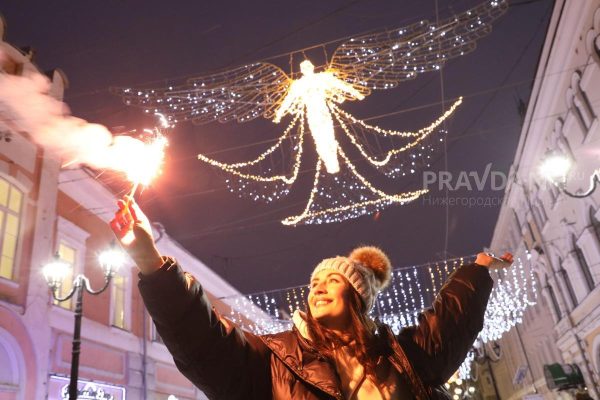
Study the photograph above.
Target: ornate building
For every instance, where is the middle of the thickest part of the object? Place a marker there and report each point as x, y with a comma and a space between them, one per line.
561, 232
45, 210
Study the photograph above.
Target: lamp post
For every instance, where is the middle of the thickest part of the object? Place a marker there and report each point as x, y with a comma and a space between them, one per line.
54, 273
555, 167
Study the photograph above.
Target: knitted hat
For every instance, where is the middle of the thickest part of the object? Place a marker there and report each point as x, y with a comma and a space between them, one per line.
367, 269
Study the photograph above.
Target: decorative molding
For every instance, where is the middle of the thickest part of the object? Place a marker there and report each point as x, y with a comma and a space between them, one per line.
71, 231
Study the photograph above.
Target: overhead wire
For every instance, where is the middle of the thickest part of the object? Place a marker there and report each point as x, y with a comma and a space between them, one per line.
444, 126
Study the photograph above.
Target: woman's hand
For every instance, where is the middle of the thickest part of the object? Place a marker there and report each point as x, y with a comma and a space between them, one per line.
133, 229
486, 260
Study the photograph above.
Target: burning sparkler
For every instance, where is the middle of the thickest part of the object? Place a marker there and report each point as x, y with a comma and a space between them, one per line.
141, 162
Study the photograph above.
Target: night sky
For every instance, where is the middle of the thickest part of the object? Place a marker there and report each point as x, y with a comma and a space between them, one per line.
153, 43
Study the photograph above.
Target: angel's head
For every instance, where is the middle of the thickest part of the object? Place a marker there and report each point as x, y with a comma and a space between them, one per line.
307, 68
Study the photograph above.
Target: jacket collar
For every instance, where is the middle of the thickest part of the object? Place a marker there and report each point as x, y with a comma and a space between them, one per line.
299, 320
399, 360
294, 349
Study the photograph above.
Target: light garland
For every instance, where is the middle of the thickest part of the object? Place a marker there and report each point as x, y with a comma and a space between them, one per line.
323, 208
411, 290
235, 168
379, 60
465, 369
419, 135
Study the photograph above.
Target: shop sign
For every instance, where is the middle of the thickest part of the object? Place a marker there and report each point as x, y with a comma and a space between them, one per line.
58, 389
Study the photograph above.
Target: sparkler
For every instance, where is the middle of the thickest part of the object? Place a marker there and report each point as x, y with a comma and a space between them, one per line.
141, 162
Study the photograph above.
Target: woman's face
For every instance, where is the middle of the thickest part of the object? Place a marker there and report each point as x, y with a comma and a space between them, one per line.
328, 299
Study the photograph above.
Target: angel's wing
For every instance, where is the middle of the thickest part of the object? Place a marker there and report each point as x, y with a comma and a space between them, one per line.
383, 59
241, 94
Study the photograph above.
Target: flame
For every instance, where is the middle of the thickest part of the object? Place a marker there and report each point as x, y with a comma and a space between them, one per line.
140, 161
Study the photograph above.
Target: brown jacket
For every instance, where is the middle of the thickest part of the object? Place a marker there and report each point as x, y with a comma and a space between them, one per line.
226, 362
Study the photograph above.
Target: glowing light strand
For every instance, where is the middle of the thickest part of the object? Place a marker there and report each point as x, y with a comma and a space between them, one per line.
374, 61
234, 168
399, 304
419, 135
381, 198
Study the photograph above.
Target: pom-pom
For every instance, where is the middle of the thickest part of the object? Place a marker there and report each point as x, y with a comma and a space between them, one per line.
375, 259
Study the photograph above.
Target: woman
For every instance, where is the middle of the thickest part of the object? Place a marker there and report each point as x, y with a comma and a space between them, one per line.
334, 351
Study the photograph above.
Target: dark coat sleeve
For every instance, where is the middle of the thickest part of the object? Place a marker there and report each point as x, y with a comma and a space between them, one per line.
222, 360
439, 342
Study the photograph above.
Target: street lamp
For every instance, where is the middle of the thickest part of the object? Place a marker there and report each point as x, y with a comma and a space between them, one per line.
55, 272
555, 168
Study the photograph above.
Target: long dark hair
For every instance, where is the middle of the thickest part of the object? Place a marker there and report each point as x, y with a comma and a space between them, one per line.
361, 338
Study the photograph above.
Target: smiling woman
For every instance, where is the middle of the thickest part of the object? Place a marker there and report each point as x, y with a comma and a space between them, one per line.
335, 350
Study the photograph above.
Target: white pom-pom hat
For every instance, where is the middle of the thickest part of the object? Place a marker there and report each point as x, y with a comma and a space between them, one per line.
367, 269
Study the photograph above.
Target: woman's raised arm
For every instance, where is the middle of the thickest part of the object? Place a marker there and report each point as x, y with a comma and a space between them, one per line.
445, 332
221, 359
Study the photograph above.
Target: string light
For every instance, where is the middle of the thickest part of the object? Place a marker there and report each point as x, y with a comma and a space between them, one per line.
235, 168
397, 306
379, 60
324, 208
464, 371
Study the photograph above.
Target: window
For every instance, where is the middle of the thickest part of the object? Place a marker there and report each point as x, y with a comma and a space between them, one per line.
67, 254
71, 250
11, 368
119, 290
568, 284
11, 202
553, 300
583, 265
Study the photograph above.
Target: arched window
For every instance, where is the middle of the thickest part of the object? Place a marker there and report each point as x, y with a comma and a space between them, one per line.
11, 204
583, 265
553, 300
567, 281
12, 371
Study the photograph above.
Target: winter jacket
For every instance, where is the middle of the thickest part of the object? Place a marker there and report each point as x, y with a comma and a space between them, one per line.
226, 362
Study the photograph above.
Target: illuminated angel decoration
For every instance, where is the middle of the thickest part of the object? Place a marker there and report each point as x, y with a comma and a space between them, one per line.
380, 60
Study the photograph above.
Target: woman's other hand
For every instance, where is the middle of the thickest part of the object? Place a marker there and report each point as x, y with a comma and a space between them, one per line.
133, 229
486, 260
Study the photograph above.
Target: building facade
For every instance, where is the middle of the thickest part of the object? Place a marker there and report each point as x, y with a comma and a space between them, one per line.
45, 211
561, 233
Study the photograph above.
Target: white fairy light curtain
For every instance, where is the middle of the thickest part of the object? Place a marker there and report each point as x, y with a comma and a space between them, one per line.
411, 290
310, 101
